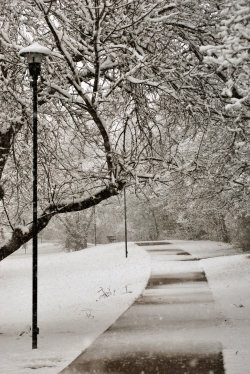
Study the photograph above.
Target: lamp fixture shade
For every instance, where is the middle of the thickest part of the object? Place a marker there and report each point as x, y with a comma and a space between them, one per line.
34, 52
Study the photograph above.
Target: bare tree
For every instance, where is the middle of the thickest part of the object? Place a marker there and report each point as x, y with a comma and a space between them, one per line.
123, 98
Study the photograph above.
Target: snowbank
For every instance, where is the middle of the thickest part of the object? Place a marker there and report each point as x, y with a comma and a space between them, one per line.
229, 280
228, 274
80, 295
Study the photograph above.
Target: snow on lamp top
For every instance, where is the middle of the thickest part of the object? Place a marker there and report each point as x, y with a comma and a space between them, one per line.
34, 52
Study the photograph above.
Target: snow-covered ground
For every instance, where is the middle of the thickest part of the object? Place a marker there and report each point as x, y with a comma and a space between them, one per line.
229, 280
80, 295
83, 293
228, 274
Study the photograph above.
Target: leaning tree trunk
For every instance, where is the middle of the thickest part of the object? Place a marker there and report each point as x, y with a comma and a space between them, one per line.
21, 236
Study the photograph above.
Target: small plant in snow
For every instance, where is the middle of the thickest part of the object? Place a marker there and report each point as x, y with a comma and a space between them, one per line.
126, 290
105, 293
89, 314
25, 331
239, 306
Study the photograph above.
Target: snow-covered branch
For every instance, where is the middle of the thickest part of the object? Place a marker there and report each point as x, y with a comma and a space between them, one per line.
23, 234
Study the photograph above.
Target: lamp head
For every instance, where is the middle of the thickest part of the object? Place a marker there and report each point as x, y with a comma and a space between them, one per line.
34, 55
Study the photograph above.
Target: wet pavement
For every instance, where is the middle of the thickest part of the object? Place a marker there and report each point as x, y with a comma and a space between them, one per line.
170, 328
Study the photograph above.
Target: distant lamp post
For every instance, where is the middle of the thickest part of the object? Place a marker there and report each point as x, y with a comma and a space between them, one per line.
94, 225
125, 221
34, 55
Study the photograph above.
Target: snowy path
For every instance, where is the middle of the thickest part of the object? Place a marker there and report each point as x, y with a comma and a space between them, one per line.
170, 329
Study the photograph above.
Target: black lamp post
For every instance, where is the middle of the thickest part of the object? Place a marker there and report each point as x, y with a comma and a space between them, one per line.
34, 55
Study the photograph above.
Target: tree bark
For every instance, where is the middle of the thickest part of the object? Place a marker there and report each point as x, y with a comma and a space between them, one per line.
5, 144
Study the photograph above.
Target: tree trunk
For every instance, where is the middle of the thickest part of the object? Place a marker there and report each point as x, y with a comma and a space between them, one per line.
224, 232
19, 236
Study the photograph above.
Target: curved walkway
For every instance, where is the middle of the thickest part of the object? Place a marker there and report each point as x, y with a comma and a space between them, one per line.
170, 329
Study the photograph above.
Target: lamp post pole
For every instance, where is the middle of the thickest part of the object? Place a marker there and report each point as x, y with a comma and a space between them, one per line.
35, 331
125, 221
95, 224
34, 54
